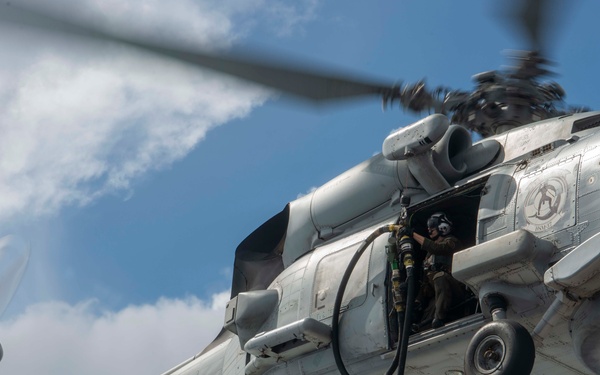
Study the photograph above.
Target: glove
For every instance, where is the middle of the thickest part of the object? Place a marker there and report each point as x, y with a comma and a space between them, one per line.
405, 231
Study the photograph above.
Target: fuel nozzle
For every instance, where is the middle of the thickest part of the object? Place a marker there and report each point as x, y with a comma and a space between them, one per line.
391, 249
407, 250
398, 291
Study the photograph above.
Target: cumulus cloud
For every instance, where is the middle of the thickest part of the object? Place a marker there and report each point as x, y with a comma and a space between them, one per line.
80, 120
72, 132
57, 338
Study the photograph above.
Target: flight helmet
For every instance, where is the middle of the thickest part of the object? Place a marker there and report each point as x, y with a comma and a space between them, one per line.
440, 221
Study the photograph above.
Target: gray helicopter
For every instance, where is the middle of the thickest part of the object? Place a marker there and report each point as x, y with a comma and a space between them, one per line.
329, 284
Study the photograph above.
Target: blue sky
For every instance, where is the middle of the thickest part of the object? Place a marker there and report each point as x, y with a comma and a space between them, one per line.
135, 179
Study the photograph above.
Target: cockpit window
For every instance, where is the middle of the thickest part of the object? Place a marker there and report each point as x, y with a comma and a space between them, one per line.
258, 257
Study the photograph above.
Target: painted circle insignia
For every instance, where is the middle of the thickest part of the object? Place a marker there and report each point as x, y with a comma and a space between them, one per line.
544, 204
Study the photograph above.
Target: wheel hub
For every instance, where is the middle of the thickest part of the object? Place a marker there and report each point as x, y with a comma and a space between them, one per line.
489, 354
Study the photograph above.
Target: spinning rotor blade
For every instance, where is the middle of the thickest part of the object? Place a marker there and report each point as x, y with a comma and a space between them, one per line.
316, 85
14, 256
311, 84
537, 20
532, 17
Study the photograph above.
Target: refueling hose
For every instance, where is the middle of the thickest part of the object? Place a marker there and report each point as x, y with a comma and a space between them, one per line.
399, 362
399, 306
335, 339
397, 356
410, 298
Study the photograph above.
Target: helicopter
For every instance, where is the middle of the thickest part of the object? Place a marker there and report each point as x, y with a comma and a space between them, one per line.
523, 188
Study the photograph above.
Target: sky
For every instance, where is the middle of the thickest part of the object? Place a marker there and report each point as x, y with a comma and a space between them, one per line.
133, 178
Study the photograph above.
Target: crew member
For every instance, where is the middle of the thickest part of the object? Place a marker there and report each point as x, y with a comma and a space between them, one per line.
439, 290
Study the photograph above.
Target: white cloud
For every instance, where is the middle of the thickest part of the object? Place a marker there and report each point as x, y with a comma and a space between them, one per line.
79, 120
72, 131
292, 16
57, 338
197, 21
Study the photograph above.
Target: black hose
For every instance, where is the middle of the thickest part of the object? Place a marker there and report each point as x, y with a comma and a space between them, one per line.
410, 299
335, 339
394, 365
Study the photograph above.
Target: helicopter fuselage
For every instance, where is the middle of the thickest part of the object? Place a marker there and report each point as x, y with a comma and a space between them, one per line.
523, 206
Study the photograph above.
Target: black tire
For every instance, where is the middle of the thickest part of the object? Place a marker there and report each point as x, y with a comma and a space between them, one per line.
502, 347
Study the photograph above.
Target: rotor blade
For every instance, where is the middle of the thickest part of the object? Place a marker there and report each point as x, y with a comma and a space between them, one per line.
537, 20
532, 17
316, 85
311, 84
14, 256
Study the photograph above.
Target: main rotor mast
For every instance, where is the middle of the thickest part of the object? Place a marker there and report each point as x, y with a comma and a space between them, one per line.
501, 100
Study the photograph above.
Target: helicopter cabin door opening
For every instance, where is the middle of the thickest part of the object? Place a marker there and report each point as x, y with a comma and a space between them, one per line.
461, 207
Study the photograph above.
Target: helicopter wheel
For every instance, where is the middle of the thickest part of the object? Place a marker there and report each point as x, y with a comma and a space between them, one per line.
501, 347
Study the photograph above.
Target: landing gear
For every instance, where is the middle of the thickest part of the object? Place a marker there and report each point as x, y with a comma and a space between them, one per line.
502, 347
